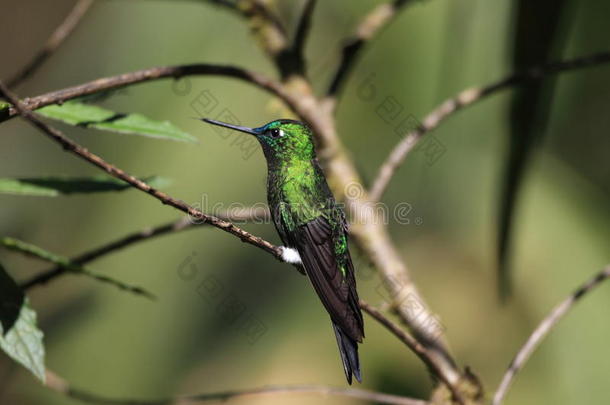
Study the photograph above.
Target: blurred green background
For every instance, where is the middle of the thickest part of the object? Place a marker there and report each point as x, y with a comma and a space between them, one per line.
120, 345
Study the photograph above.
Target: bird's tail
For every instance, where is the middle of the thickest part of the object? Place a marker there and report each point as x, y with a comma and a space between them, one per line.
348, 348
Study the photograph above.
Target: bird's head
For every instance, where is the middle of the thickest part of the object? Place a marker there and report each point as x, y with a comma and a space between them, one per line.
281, 139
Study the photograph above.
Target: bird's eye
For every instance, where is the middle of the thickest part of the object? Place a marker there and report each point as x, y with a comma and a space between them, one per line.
276, 133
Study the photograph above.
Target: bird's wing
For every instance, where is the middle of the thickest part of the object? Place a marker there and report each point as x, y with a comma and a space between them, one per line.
331, 272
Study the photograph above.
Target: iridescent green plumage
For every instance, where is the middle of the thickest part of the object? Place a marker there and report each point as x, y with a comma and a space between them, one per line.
309, 220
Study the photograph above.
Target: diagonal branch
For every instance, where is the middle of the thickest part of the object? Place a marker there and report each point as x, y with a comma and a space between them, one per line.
57, 271
420, 350
62, 32
58, 384
83, 153
246, 214
154, 73
466, 98
543, 329
370, 25
268, 29
253, 9
68, 266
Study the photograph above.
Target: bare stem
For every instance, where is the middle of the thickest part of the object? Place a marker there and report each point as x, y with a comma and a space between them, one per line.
74, 148
60, 34
58, 384
144, 75
301, 34
370, 25
91, 255
542, 330
466, 98
420, 350
246, 214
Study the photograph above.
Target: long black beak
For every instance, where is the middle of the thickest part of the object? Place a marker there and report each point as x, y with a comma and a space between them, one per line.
247, 130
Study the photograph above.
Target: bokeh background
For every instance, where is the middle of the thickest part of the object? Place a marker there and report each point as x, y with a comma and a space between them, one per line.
113, 343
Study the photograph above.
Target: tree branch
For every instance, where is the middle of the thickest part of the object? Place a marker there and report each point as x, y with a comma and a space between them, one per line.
62, 32
246, 214
252, 9
267, 29
466, 98
543, 329
370, 25
301, 34
144, 75
58, 384
83, 153
68, 266
103, 250
421, 351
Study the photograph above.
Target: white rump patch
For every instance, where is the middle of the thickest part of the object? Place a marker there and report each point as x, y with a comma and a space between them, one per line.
290, 255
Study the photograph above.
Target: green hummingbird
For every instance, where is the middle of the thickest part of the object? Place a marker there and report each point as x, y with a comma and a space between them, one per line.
312, 227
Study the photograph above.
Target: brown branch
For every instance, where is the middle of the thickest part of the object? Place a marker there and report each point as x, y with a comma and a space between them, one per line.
58, 384
57, 271
252, 9
301, 34
466, 98
154, 73
370, 25
543, 329
420, 350
83, 153
269, 31
241, 215
55, 40
258, 9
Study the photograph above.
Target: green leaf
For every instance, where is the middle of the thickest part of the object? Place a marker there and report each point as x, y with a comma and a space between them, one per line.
11, 300
65, 263
56, 185
90, 116
23, 343
4, 110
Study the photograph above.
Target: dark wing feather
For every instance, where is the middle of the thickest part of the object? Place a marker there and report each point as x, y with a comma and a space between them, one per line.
315, 243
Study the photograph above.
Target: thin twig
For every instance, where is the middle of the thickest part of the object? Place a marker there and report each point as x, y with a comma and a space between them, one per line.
242, 215
58, 384
66, 265
55, 272
74, 148
259, 9
420, 350
468, 97
370, 25
302, 32
542, 330
55, 40
267, 28
144, 75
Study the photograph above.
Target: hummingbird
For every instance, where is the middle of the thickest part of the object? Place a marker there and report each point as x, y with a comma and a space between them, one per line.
312, 227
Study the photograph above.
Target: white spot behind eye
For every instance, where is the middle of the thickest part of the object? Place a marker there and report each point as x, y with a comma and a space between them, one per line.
281, 133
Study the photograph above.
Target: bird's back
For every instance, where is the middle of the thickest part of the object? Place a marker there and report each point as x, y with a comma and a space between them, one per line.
309, 220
